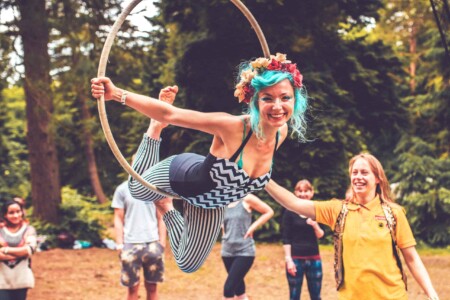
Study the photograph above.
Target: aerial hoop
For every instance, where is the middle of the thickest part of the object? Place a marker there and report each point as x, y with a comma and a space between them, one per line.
102, 69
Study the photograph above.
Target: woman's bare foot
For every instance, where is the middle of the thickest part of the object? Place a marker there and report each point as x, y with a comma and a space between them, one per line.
167, 95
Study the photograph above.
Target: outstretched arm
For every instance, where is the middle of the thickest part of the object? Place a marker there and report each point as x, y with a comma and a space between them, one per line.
419, 272
212, 123
290, 201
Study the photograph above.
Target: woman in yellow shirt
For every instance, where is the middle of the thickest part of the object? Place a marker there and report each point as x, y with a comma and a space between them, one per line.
369, 266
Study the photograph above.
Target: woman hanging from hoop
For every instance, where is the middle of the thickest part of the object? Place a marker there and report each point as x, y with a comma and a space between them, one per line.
240, 157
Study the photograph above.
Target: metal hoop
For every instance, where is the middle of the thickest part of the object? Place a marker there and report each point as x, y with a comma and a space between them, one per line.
101, 72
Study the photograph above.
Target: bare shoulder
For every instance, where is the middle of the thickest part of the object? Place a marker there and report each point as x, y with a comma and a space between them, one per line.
232, 126
224, 115
227, 121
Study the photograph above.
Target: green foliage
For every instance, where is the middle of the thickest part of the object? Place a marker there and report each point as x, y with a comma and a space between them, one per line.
81, 216
421, 166
427, 250
358, 78
80, 31
423, 188
14, 166
353, 99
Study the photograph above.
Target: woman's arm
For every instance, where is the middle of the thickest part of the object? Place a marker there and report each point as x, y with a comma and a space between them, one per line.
23, 251
265, 210
4, 256
419, 272
290, 201
15, 252
162, 230
212, 123
119, 214
290, 266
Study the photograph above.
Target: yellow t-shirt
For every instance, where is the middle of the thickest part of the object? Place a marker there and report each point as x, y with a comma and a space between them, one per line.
370, 268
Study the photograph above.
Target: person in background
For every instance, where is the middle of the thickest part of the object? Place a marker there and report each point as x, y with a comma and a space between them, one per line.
238, 246
21, 201
369, 228
301, 249
141, 239
17, 244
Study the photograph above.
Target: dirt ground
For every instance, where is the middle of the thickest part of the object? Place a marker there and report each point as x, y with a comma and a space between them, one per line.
91, 274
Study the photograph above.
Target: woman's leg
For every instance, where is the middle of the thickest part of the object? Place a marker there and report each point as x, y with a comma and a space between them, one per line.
237, 267
314, 274
147, 164
295, 282
228, 262
192, 236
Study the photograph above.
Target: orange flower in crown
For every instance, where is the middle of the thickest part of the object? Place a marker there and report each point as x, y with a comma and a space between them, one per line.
244, 90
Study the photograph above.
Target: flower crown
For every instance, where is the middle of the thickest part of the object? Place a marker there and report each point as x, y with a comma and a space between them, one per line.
244, 90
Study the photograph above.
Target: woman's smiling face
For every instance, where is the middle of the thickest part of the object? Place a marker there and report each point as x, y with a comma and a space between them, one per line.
14, 215
304, 192
363, 180
276, 103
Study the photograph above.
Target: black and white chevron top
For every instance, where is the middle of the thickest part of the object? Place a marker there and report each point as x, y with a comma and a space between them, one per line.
211, 182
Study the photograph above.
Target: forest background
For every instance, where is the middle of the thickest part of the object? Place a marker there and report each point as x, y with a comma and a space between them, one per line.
376, 71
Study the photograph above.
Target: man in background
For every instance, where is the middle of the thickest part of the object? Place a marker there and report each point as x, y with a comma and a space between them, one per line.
140, 238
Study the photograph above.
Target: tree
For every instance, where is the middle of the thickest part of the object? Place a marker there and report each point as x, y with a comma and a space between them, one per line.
350, 82
44, 166
74, 37
14, 165
349, 77
422, 163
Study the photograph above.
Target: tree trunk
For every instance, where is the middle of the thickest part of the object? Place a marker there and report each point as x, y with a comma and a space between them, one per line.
89, 150
413, 58
44, 165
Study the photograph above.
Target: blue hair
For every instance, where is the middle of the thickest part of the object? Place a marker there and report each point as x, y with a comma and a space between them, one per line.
269, 78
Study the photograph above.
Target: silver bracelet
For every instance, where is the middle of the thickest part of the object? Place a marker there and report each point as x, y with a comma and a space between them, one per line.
123, 99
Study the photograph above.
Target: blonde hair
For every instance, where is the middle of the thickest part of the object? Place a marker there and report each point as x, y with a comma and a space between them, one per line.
383, 189
306, 183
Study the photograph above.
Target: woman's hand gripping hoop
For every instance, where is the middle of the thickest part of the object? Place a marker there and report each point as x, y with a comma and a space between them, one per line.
101, 73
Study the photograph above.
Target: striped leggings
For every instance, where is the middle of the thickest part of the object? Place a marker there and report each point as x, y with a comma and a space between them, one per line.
192, 235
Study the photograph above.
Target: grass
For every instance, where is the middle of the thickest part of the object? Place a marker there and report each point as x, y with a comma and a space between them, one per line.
94, 274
